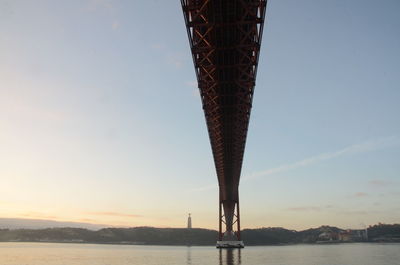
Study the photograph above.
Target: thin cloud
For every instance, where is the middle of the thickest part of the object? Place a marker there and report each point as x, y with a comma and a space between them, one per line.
355, 212
379, 183
38, 215
305, 209
114, 214
352, 149
365, 147
86, 220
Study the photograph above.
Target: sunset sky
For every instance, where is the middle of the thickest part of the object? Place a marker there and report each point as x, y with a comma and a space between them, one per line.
101, 119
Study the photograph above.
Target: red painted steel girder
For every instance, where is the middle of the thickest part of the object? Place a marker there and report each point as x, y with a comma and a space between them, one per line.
225, 38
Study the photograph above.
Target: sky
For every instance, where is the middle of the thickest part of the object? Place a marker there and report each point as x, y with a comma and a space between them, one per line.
101, 120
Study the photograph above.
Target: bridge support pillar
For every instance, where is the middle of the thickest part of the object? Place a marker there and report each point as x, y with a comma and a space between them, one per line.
229, 215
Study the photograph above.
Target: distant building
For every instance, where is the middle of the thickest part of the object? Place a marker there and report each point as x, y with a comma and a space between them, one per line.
345, 236
326, 236
353, 235
189, 222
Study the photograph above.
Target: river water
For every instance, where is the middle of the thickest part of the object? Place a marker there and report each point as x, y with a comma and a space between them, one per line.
92, 254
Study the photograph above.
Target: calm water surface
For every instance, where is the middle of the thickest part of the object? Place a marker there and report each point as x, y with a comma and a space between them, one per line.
88, 254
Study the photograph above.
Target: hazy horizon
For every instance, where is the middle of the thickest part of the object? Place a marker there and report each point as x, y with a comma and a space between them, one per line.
25, 223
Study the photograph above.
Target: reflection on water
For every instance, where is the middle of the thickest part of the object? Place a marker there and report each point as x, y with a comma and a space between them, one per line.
13, 253
226, 256
189, 256
230, 256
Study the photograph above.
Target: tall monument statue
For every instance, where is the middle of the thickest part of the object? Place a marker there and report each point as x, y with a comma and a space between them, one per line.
189, 223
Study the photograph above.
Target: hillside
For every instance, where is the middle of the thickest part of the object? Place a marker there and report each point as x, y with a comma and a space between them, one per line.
197, 236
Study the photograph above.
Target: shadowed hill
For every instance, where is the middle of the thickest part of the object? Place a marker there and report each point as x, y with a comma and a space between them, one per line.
137, 235
183, 236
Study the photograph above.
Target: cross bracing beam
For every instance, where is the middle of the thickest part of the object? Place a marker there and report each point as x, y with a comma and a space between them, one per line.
225, 39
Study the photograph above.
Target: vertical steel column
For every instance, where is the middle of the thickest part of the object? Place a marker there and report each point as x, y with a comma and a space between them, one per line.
238, 221
236, 215
220, 219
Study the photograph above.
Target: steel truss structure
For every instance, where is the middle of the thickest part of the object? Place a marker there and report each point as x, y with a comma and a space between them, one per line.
225, 38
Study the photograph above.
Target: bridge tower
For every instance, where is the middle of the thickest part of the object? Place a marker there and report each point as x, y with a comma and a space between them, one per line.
225, 39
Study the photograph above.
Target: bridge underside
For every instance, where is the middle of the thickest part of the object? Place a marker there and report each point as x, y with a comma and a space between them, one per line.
225, 38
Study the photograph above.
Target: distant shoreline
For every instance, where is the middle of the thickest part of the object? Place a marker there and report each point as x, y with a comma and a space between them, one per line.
273, 236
